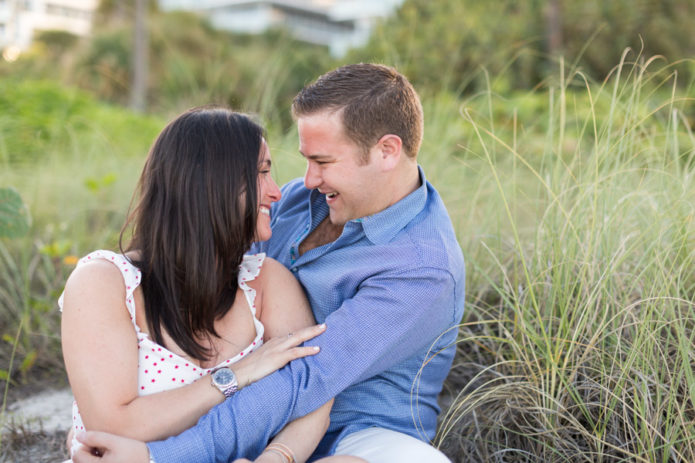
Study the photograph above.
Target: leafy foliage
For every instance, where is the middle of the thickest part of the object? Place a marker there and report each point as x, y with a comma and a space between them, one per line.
190, 63
440, 43
40, 118
14, 220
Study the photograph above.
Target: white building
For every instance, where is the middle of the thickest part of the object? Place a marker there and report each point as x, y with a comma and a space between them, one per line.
338, 24
21, 19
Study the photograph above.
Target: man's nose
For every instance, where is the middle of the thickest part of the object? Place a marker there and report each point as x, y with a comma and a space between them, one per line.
312, 179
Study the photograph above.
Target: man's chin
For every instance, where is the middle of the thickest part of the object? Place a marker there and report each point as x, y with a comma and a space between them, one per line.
336, 220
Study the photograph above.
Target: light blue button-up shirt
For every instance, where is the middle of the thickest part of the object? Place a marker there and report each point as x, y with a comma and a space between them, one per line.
390, 290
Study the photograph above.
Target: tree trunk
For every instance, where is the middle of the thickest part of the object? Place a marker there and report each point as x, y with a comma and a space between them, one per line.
138, 91
553, 24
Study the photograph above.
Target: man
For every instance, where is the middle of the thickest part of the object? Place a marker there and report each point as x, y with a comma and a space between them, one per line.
371, 242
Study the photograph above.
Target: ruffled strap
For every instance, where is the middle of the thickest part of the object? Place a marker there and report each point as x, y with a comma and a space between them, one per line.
249, 269
131, 277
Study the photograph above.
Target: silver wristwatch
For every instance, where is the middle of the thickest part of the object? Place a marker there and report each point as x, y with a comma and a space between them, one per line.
225, 380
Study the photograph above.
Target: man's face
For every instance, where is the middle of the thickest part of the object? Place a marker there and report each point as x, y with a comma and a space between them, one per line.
335, 167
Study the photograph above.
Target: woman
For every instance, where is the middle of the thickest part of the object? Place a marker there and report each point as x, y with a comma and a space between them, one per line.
143, 330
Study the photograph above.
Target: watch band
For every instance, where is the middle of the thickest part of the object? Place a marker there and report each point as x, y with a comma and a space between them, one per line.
230, 391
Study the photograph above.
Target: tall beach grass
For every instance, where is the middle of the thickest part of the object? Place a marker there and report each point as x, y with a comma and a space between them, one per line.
577, 342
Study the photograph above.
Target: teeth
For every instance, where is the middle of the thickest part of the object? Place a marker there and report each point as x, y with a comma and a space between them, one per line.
331, 195
264, 210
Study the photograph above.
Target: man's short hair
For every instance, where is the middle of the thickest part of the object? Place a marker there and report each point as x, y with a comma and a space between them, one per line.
375, 100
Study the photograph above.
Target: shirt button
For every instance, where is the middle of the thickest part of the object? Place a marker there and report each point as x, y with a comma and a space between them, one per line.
295, 269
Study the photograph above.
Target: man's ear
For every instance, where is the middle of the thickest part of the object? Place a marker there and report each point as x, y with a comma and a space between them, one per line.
390, 149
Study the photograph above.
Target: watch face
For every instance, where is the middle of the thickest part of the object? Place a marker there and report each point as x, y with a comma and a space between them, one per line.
223, 376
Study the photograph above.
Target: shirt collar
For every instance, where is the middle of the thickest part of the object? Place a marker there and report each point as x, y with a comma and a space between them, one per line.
382, 227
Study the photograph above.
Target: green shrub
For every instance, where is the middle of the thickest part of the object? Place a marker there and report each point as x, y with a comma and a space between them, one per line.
14, 220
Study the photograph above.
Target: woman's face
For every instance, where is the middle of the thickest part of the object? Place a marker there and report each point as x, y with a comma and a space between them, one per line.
268, 193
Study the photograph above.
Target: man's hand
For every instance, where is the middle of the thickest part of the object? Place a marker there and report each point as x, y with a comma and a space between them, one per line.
109, 448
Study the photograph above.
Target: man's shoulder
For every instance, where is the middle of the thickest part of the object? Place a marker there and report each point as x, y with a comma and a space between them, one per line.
431, 235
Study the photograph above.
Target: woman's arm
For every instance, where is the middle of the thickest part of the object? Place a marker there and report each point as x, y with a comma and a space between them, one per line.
300, 437
100, 351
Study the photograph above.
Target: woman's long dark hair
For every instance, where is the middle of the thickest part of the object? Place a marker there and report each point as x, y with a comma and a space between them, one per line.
194, 219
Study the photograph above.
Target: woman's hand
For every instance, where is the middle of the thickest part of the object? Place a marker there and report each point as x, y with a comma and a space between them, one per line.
275, 354
109, 448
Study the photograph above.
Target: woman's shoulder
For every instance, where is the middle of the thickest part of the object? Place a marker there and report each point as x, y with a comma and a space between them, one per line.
275, 277
271, 276
259, 267
272, 269
97, 274
283, 301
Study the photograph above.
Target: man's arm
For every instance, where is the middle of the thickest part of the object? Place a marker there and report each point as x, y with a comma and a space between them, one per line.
389, 319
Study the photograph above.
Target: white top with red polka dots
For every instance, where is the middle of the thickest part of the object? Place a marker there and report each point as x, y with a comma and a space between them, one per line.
158, 368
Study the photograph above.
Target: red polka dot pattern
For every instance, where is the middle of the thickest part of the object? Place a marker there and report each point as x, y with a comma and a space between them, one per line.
175, 370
